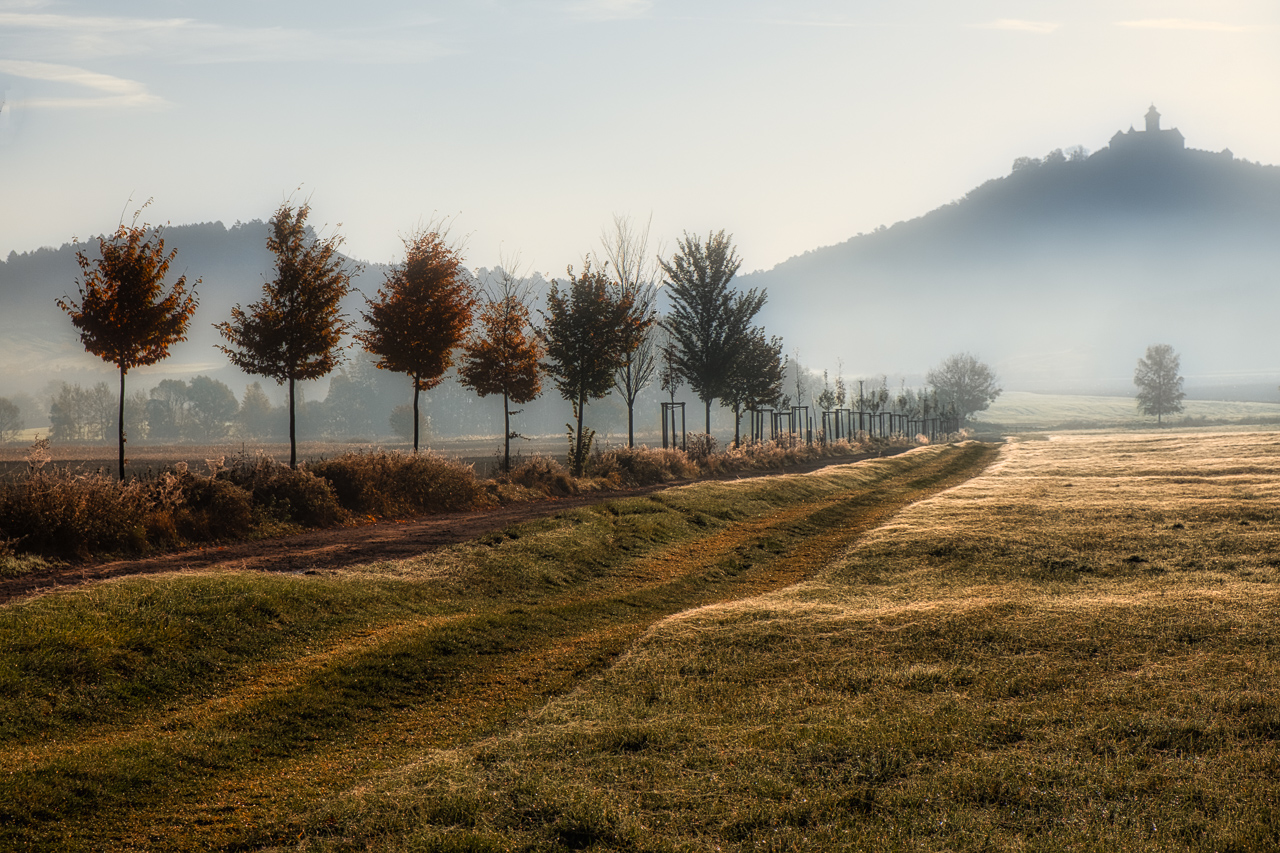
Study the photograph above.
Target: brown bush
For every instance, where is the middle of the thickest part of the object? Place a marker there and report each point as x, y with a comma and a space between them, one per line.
288, 494
396, 484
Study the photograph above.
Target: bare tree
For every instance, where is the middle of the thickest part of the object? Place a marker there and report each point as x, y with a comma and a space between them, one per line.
635, 269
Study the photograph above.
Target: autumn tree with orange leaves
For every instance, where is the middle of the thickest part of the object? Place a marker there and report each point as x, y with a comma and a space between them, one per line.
502, 355
125, 314
422, 313
294, 333
588, 329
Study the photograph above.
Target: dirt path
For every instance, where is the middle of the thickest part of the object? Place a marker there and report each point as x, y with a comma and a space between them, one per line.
337, 547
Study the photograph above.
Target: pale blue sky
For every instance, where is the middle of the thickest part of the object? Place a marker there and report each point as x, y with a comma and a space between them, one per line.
791, 124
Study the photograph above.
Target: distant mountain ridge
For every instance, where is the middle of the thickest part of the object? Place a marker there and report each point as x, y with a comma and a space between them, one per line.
1060, 272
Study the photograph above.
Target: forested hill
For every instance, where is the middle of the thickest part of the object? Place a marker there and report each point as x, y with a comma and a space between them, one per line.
1060, 272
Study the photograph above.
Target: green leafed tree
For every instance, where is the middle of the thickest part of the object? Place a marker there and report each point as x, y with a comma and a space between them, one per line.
126, 314
587, 327
421, 314
756, 376
963, 383
709, 322
1159, 385
294, 333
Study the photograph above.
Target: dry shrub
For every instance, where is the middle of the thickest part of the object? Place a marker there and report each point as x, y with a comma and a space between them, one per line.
542, 474
212, 509
391, 484
287, 494
59, 512
641, 466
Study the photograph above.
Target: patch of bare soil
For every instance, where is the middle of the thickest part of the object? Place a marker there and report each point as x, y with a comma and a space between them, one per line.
338, 547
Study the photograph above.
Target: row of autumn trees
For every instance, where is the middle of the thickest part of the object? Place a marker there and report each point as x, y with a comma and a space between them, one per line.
599, 328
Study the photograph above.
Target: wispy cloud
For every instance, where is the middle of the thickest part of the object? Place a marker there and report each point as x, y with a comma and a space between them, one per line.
110, 91
48, 35
1185, 24
610, 10
1020, 25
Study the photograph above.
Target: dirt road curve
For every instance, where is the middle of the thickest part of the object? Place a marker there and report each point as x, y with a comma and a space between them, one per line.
345, 546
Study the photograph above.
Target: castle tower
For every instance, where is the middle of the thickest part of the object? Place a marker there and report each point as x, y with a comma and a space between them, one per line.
1153, 120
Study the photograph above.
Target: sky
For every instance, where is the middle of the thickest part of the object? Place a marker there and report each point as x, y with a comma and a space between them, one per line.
529, 124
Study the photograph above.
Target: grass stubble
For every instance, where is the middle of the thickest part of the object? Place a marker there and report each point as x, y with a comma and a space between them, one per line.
228, 710
1075, 651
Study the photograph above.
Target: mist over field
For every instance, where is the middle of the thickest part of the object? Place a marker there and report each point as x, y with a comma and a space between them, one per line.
1058, 274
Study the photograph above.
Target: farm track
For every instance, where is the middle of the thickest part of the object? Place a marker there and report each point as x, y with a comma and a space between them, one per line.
338, 547
508, 663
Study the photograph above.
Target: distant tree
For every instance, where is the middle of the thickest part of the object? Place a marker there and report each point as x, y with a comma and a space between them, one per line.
295, 331
626, 248
1159, 385
212, 409
827, 396
756, 377
586, 330
167, 410
125, 314
66, 414
254, 420
101, 412
965, 383
502, 355
668, 374
10, 420
422, 313
349, 405
402, 422
709, 322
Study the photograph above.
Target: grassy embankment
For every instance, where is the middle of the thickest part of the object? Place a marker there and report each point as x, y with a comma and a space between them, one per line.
229, 709
1076, 651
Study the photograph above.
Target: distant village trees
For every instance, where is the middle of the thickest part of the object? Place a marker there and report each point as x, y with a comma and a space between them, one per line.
963, 383
10, 420
421, 314
295, 331
588, 326
125, 313
1159, 385
502, 355
709, 322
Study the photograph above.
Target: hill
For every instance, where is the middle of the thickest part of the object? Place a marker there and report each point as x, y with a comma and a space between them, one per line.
1059, 273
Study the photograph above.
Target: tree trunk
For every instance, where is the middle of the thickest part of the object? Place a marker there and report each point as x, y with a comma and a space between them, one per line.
415, 413
579, 464
737, 425
293, 430
123, 370
708, 404
506, 438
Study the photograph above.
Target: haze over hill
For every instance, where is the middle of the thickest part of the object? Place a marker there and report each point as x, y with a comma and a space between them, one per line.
1060, 273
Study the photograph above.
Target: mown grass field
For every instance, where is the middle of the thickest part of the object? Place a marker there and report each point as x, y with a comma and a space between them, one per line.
220, 710
1022, 410
1075, 650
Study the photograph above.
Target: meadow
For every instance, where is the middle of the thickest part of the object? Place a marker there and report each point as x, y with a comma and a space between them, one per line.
1019, 411
1063, 644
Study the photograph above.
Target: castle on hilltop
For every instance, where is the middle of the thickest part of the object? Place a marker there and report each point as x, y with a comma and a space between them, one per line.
1152, 139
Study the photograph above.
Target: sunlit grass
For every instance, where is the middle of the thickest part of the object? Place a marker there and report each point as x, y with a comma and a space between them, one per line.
1075, 651
210, 710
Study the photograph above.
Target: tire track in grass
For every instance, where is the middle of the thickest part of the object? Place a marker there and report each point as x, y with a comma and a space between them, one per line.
500, 665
